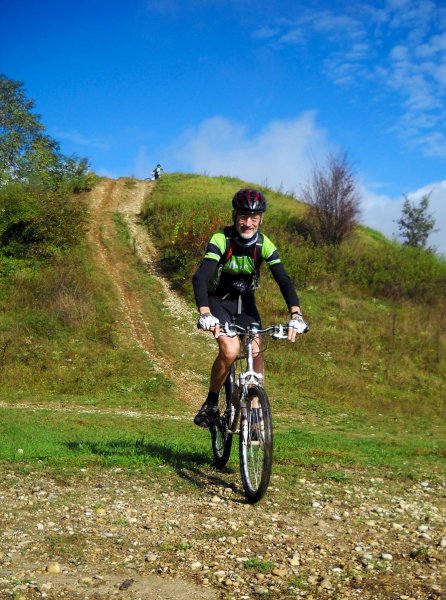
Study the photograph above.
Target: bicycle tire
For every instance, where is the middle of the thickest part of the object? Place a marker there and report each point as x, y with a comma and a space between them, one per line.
223, 428
256, 444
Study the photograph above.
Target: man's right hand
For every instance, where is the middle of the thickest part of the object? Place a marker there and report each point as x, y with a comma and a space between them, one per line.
208, 322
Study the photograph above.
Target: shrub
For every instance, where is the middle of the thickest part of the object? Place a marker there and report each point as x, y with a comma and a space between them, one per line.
39, 223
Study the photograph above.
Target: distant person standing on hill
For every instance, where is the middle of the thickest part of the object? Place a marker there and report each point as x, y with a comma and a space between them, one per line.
224, 286
156, 173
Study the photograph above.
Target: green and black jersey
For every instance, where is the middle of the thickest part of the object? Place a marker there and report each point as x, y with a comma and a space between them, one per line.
231, 267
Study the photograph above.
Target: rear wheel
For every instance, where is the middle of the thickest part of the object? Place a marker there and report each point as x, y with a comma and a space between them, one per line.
256, 444
225, 424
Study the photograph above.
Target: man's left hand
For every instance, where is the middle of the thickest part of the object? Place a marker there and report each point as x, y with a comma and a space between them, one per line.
296, 326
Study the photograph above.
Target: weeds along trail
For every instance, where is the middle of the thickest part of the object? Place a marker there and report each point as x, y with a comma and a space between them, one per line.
114, 196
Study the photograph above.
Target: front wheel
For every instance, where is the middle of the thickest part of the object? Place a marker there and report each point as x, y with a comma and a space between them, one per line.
256, 444
225, 424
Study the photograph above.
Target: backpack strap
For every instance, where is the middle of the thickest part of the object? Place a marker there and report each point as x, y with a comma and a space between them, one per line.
228, 250
258, 251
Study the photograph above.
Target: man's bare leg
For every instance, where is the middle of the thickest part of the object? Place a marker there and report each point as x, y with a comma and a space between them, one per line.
228, 351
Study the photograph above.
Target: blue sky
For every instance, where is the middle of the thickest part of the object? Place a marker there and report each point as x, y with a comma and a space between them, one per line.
254, 89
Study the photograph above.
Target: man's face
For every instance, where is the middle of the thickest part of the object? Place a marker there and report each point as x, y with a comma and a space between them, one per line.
247, 224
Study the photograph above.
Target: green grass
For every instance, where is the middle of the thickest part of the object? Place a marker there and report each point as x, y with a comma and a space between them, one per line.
335, 448
262, 566
65, 439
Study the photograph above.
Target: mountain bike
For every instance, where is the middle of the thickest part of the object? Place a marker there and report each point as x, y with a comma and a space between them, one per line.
244, 410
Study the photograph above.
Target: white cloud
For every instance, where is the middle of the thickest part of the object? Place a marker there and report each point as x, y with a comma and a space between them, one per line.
282, 154
143, 163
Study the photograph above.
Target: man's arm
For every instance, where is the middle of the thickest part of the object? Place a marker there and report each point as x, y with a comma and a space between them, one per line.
289, 293
200, 282
286, 286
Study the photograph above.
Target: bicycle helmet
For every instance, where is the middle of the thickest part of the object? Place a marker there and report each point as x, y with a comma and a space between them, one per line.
250, 201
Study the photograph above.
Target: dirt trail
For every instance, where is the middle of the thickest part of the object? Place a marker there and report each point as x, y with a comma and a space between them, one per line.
114, 196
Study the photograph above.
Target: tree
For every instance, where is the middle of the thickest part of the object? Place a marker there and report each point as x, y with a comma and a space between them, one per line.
24, 146
415, 224
26, 151
333, 200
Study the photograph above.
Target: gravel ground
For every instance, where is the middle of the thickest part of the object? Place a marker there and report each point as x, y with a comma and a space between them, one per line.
103, 535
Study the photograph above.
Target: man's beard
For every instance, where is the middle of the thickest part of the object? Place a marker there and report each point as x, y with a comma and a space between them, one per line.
247, 236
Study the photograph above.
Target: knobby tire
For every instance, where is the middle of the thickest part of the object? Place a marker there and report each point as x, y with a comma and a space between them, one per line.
256, 444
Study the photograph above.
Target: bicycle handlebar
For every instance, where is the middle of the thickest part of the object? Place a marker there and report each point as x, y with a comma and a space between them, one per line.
279, 331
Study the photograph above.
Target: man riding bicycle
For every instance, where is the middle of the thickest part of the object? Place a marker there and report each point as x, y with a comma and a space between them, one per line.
224, 286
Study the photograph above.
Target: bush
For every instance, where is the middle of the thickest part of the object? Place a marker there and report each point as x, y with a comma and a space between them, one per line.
39, 223
392, 271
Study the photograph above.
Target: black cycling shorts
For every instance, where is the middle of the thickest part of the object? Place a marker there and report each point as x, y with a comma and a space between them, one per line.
225, 308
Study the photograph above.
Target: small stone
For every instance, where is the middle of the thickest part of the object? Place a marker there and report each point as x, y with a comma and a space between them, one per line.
150, 557
195, 565
53, 567
260, 590
220, 574
443, 543
126, 584
277, 572
386, 556
325, 584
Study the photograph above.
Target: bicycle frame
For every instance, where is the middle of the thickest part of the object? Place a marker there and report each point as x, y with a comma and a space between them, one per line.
250, 377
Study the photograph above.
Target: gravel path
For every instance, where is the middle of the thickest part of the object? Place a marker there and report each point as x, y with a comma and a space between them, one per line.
194, 536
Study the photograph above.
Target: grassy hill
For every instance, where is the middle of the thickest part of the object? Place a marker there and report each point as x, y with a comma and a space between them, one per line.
377, 342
